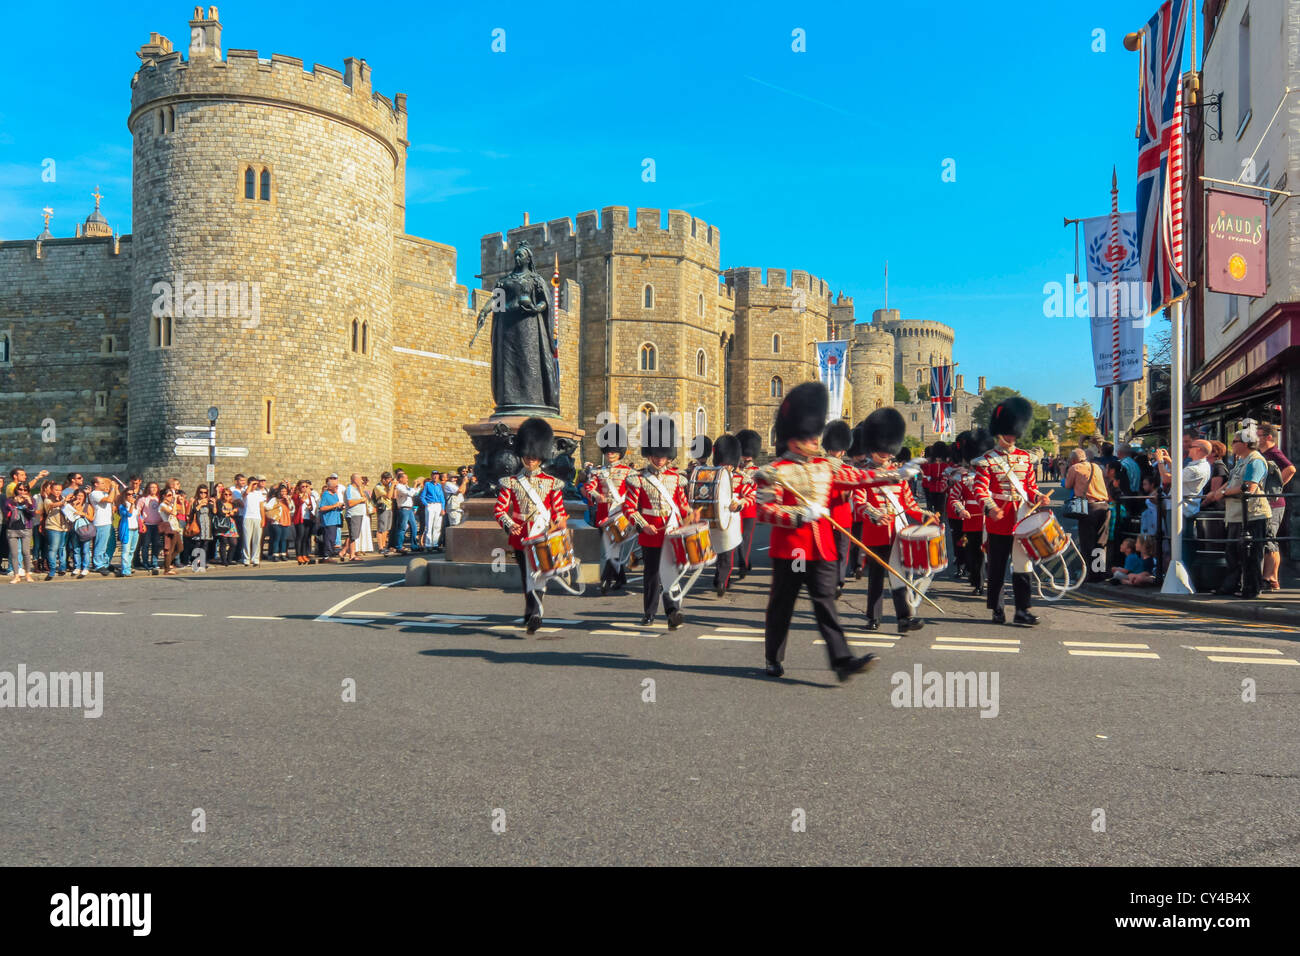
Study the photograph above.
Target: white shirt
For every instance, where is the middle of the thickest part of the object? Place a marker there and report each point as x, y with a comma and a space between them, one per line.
1195, 477
253, 504
405, 495
103, 508
353, 493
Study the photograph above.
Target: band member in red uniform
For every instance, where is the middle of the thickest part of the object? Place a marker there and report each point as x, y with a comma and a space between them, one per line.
656, 502
953, 473
886, 507
1007, 490
836, 441
858, 459
530, 503
726, 455
751, 443
802, 545
966, 504
606, 489
700, 451
932, 475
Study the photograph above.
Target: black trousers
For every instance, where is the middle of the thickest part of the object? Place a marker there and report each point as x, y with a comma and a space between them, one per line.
652, 587
532, 599
855, 553
934, 501
746, 542
999, 556
876, 587
820, 578
1245, 559
617, 576
842, 549
722, 570
974, 557
954, 529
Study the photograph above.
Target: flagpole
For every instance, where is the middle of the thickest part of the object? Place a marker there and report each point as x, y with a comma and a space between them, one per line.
1116, 256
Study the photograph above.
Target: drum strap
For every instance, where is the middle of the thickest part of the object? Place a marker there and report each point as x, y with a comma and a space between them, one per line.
674, 519
1010, 475
900, 519
543, 519
614, 497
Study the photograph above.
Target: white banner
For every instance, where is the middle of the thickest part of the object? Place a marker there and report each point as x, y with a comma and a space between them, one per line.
1102, 298
830, 366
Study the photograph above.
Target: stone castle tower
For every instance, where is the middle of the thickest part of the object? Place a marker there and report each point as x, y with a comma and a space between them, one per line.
871, 369
918, 344
265, 202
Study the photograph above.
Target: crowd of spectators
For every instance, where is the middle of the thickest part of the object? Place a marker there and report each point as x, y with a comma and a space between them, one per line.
75, 527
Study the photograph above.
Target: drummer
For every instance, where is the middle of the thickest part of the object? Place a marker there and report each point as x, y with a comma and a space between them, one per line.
751, 443
701, 450
885, 508
1007, 491
857, 456
971, 445
606, 489
953, 474
726, 456
531, 503
656, 503
836, 440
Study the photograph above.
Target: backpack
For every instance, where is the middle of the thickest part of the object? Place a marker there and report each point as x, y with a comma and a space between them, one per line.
1273, 480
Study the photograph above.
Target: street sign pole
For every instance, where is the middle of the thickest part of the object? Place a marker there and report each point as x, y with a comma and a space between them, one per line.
212, 444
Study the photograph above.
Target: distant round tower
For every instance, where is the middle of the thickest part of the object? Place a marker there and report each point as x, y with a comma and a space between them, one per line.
918, 344
265, 200
871, 370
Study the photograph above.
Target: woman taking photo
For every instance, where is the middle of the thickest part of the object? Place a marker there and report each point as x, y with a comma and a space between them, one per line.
202, 511
304, 520
19, 516
79, 514
56, 530
225, 525
279, 519
171, 527
150, 528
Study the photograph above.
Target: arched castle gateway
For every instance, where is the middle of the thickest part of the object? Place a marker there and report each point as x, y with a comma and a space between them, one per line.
269, 273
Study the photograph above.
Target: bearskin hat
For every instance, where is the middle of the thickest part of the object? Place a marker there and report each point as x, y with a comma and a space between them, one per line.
838, 436
980, 443
751, 442
857, 447
928, 452
659, 437
802, 414
535, 439
726, 450
884, 431
1011, 417
701, 446
612, 437
961, 447
904, 454
938, 451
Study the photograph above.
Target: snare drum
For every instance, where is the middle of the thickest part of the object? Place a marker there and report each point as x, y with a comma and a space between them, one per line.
619, 527
550, 553
922, 549
690, 544
1041, 535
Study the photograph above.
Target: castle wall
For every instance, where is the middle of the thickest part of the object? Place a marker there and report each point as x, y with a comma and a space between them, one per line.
871, 370
57, 310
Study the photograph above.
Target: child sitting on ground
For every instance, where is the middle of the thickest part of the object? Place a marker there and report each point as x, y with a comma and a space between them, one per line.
1146, 576
1132, 562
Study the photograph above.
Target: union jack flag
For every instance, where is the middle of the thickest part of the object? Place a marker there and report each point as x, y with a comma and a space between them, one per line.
1162, 57
941, 398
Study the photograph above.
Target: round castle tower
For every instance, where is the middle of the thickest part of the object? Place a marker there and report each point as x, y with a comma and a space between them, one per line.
871, 370
918, 344
265, 200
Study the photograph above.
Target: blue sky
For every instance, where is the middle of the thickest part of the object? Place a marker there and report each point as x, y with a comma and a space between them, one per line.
828, 160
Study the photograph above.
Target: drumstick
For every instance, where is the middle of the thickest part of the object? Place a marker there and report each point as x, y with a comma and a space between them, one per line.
871, 554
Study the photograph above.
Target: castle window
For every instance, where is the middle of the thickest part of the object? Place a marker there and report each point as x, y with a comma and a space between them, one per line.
5, 358
159, 124
642, 417
250, 183
107, 344
171, 119
776, 342
692, 227
268, 417
266, 184
777, 386
701, 305
701, 364
365, 338
160, 332
701, 422
648, 297
880, 380
649, 358
879, 403
913, 416
920, 374
356, 335
771, 436
101, 404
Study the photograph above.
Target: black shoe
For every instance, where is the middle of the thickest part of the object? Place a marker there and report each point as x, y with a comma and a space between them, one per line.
839, 590
740, 575
857, 574
978, 592
647, 620
999, 616
853, 665
534, 622
774, 669
675, 620
1221, 591
719, 590
604, 588
1025, 618
910, 624
873, 624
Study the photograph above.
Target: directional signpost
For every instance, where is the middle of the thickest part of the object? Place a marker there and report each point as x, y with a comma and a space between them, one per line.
201, 447
222, 451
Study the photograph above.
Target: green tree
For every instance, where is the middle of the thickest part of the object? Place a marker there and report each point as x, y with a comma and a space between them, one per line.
1082, 423
901, 394
983, 411
923, 393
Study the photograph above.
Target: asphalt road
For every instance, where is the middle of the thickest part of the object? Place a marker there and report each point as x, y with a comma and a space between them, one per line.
223, 692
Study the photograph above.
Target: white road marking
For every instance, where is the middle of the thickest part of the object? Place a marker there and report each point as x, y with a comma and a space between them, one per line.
623, 633
638, 627
518, 627
976, 640
370, 613
253, 617
36, 612
974, 647
173, 614
456, 617
1143, 654
742, 630
1236, 650
102, 613
731, 637
1286, 661
1108, 646
860, 643
562, 620
346, 601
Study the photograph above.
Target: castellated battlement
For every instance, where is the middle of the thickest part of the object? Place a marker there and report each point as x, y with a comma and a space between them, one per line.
921, 328
168, 78
772, 287
612, 231
869, 337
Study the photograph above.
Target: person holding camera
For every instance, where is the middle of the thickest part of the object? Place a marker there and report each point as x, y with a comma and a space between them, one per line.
19, 516
1246, 509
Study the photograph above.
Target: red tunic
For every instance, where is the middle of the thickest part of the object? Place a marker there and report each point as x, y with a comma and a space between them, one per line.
649, 510
952, 491
993, 488
964, 492
870, 502
515, 510
604, 484
748, 472
820, 480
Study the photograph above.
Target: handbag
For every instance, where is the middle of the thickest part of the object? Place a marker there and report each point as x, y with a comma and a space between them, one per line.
1076, 507
84, 529
192, 529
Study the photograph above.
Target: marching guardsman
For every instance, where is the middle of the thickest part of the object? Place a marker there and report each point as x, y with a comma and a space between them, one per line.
953, 474
802, 545
656, 502
726, 454
701, 450
751, 443
965, 503
885, 507
932, 475
530, 503
1007, 491
857, 456
836, 441
606, 488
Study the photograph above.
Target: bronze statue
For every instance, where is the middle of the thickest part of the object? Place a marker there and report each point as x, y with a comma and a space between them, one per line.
524, 377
